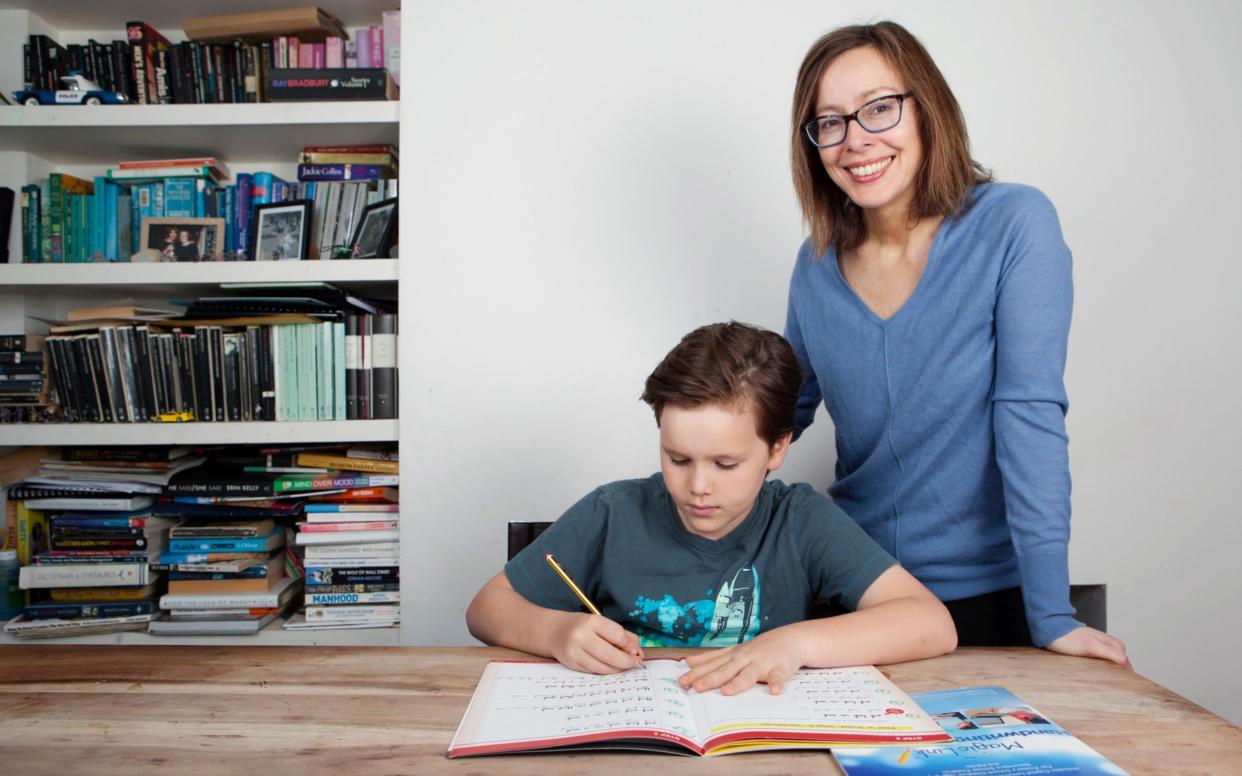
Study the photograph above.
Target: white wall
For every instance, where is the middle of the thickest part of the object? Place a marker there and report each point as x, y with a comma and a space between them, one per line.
587, 181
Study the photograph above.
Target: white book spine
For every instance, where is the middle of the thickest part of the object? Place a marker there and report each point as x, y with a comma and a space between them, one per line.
384, 612
371, 550
83, 575
326, 599
349, 563
27, 626
347, 537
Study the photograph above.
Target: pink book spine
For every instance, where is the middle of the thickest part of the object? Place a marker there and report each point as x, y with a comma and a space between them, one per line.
392, 44
319, 55
363, 39
377, 47
306, 55
334, 52
295, 50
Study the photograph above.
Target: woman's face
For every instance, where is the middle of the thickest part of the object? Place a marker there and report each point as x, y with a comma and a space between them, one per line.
875, 170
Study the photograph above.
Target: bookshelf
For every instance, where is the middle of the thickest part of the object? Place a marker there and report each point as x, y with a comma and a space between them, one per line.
84, 141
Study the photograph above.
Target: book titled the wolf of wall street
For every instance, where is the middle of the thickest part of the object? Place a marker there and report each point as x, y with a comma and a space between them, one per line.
540, 705
994, 733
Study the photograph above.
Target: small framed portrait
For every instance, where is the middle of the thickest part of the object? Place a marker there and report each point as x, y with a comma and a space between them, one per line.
183, 239
373, 239
282, 231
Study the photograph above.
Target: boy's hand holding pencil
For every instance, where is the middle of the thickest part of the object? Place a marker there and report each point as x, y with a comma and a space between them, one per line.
590, 642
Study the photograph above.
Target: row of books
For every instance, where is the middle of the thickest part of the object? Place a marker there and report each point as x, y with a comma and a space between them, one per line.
148, 68
234, 370
23, 376
129, 212
103, 548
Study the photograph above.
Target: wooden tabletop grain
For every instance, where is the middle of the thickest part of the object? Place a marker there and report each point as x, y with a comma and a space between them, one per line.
392, 710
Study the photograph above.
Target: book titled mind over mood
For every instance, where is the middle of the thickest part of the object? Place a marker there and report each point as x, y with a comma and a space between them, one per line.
995, 733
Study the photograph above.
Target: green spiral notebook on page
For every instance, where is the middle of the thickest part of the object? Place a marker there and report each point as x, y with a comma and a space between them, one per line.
527, 706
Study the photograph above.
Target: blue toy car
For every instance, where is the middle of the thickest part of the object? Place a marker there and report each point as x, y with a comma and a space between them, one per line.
78, 90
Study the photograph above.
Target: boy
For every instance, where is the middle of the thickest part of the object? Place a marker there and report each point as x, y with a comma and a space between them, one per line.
709, 553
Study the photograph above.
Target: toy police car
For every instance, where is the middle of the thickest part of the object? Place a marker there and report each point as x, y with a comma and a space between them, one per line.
78, 90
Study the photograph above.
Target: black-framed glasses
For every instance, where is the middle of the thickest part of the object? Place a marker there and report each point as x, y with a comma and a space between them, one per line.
876, 115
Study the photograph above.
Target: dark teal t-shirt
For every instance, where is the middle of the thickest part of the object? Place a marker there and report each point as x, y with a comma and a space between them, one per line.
626, 547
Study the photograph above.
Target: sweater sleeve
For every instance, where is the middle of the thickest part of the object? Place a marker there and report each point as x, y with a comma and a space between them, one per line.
1033, 308
810, 394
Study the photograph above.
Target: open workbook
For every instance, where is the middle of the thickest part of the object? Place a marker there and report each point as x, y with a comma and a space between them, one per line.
522, 706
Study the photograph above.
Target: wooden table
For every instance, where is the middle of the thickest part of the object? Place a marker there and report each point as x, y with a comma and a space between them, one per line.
391, 710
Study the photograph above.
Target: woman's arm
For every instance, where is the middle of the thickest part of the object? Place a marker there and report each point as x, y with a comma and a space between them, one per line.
1032, 314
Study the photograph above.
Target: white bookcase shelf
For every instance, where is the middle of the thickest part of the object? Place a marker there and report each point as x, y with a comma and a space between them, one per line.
92, 434
239, 134
363, 274
271, 636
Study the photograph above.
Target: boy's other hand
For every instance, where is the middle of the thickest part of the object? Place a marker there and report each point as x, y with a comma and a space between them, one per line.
770, 658
1084, 641
594, 644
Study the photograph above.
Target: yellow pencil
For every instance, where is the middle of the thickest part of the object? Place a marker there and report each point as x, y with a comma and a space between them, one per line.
572, 586
904, 756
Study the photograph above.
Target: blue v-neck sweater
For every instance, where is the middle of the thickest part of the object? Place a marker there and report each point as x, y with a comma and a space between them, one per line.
950, 414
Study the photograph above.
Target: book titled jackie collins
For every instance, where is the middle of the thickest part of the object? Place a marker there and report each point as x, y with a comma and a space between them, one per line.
994, 732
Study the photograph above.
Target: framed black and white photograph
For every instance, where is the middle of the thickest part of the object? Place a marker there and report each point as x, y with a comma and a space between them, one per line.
282, 230
373, 238
183, 239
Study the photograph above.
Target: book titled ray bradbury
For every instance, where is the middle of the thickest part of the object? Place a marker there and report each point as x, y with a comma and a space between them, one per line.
994, 732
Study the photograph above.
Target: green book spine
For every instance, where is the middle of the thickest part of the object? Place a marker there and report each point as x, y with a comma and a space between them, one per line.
338, 370
308, 336
45, 220
324, 368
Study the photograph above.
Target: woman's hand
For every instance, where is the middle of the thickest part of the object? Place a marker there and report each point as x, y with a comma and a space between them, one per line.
594, 644
1089, 642
771, 658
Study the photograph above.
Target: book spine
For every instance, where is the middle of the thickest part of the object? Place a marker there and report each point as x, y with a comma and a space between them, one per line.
378, 613
252, 544
69, 611
325, 575
378, 597
83, 575
384, 366
373, 525
343, 172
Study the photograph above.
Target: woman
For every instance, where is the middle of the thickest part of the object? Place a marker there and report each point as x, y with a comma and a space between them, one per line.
930, 308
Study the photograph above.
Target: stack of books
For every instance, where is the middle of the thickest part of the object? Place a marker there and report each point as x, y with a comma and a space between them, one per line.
88, 571
224, 578
23, 378
350, 546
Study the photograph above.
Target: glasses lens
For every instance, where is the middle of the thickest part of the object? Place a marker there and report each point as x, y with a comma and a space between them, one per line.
880, 115
826, 130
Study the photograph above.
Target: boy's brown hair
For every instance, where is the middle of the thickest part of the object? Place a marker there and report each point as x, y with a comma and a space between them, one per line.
948, 172
731, 364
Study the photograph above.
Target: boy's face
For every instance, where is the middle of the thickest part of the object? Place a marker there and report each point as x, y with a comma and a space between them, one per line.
714, 464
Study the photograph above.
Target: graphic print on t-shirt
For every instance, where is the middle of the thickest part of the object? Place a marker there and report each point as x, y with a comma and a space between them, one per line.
719, 620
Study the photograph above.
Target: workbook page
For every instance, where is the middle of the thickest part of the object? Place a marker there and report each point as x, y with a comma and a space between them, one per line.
546, 702
841, 701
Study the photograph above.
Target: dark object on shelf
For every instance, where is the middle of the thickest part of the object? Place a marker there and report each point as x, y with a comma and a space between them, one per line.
374, 236
333, 83
282, 230
307, 22
6, 218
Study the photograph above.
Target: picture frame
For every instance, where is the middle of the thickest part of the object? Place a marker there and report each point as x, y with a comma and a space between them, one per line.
281, 231
174, 238
373, 239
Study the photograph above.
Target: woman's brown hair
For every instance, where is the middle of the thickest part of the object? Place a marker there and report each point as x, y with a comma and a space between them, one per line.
948, 172
731, 364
